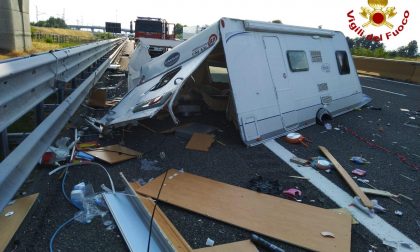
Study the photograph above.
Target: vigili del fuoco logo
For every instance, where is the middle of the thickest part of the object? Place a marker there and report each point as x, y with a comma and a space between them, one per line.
378, 14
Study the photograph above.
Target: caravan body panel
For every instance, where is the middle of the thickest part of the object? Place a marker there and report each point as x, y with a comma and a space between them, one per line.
280, 76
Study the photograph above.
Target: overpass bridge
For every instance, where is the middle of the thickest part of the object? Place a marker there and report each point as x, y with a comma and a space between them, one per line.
93, 28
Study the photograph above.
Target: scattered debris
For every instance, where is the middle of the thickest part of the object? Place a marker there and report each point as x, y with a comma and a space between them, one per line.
259, 184
378, 207
397, 244
378, 192
9, 214
328, 234
404, 110
359, 160
405, 197
293, 193
364, 181
59, 152
407, 178
200, 142
299, 177
398, 212
114, 153
80, 155
328, 126
300, 161
209, 242
263, 243
359, 172
374, 108
149, 165
321, 163
357, 203
162, 155
296, 138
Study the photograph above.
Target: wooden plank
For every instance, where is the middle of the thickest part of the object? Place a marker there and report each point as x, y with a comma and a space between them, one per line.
378, 192
281, 219
241, 246
113, 154
200, 142
356, 189
9, 225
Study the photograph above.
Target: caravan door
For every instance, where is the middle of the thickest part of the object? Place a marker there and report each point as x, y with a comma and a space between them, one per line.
281, 82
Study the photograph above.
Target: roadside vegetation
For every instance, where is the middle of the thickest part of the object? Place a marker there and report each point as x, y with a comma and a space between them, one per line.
364, 47
53, 34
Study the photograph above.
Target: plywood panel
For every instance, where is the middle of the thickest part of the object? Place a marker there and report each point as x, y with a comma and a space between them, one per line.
241, 246
9, 225
165, 225
114, 153
200, 142
281, 219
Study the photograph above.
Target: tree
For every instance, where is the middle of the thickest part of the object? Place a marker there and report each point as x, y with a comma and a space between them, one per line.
52, 22
277, 21
412, 49
178, 29
350, 42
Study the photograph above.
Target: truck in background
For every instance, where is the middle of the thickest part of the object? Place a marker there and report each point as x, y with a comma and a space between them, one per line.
155, 28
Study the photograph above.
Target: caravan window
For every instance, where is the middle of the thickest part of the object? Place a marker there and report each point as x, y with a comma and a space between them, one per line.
297, 61
342, 62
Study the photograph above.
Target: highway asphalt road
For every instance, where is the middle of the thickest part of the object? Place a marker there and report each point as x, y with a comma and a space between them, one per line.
383, 124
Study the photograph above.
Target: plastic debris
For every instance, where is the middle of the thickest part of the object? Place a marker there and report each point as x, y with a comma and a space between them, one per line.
404, 110
262, 185
358, 203
364, 181
150, 165
359, 160
359, 172
9, 214
328, 126
397, 244
89, 203
293, 193
398, 212
162, 155
209, 242
378, 207
321, 163
328, 234
84, 156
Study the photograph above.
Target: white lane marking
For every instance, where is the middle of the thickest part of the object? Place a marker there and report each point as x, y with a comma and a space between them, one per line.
399, 82
376, 225
385, 91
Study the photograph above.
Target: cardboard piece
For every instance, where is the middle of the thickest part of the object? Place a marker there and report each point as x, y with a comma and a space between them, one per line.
356, 189
200, 142
98, 99
9, 225
242, 246
281, 219
113, 154
378, 192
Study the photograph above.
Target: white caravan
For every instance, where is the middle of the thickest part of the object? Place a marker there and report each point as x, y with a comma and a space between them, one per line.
279, 78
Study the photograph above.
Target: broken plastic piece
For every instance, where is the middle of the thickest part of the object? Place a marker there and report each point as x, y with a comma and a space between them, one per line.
260, 241
359, 172
398, 212
328, 234
321, 163
150, 165
328, 126
378, 207
293, 193
9, 213
358, 203
359, 160
209, 242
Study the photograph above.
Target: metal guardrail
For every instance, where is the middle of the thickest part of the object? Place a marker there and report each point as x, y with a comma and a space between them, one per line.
26, 82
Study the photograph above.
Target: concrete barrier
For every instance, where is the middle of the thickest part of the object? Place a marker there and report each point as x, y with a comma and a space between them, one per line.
387, 68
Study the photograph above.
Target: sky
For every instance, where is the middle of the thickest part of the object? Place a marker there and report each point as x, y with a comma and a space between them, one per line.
331, 14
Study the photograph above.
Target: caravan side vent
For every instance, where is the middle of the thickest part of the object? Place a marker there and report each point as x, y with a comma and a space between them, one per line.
316, 56
322, 87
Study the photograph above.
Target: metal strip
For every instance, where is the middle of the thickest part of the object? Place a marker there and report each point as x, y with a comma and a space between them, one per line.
133, 221
376, 225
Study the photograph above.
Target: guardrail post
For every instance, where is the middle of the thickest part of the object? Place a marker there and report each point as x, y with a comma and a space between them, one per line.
60, 92
39, 113
4, 144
